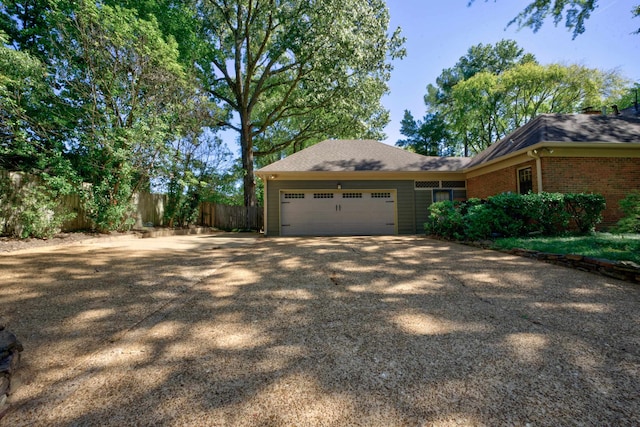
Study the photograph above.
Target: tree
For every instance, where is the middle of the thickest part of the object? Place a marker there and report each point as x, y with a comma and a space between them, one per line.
493, 90
493, 59
574, 13
131, 98
487, 107
296, 71
428, 137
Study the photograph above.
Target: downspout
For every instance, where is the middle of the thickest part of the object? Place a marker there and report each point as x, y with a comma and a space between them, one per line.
265, 198
536, 155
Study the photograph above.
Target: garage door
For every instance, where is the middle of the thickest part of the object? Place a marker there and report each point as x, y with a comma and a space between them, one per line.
332, 213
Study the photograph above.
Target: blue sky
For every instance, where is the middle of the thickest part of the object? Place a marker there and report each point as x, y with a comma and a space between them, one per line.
439, 32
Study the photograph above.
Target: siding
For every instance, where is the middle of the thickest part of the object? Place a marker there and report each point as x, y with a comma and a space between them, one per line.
405, 203
423, 199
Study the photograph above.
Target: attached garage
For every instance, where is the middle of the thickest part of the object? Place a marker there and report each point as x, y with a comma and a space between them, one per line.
330, 212
353, 187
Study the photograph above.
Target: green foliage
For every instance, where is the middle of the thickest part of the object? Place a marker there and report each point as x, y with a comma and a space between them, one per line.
585, 210
514, 215
573, 12
493, 90
30, 209
445, 219
630, 206
546, 213
296, 72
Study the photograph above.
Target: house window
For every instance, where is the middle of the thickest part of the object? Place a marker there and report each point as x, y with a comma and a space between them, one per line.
442, 195
525, 180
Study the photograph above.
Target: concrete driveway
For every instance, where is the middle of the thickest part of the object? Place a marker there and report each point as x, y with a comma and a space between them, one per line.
372, 331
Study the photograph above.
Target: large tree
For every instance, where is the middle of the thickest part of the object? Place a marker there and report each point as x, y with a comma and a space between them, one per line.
495, 89
294, 71
486, 107
573, 12
433, 135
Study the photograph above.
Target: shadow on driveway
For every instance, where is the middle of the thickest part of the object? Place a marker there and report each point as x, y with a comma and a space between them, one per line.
368, 331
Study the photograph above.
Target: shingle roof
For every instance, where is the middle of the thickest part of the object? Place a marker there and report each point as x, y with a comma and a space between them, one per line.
581, 128
335, 155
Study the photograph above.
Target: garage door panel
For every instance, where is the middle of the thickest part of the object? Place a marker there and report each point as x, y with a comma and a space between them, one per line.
337, 213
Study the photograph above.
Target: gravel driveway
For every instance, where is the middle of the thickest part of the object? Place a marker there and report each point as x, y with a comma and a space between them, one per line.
372, 331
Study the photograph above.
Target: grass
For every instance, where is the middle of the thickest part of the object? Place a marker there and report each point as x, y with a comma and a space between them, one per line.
616, 247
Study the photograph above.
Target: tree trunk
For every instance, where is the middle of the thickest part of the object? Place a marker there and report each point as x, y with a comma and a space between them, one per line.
249, 179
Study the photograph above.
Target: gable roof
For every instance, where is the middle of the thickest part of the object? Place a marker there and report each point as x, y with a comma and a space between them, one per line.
581, 128
335, 155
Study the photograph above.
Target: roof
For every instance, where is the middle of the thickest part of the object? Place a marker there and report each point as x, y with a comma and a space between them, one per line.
340, 155
580, 128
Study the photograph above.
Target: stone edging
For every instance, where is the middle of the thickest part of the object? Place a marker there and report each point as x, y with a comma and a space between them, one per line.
622, 270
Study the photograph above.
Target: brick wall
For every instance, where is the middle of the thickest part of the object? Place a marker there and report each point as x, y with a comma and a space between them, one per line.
611, 177
501, 181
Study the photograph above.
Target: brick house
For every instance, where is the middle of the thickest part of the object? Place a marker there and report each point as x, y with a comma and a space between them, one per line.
351, 187
563, 154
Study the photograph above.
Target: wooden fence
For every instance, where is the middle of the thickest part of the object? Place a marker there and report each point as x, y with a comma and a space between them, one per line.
231, 217
150, 210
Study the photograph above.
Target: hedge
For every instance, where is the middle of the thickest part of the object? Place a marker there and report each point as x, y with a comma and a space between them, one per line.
515, 215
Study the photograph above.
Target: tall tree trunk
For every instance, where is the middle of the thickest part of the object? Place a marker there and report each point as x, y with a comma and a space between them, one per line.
249, 179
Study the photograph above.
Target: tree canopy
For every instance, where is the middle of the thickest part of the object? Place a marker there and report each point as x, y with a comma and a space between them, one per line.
573, 12
126, 94
294, 72
495, 89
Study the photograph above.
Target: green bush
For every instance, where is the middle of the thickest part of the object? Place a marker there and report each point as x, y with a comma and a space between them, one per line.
31, 210
585, 210
515, 215
478, 222
630, 206
547, 214
445, 219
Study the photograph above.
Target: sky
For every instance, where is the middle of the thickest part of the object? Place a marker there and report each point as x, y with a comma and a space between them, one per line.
439, 32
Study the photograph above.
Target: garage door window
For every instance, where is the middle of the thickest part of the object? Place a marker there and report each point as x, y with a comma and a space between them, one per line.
294, 196
380, 195
352, 195
323, 195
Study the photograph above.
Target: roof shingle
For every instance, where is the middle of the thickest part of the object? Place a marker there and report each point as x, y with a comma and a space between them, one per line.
564, 128
336, 155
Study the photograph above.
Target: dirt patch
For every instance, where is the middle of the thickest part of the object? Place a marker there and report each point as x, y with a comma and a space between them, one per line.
386, 331
10, 244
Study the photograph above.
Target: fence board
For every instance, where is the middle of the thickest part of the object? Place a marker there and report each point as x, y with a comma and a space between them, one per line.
227, 217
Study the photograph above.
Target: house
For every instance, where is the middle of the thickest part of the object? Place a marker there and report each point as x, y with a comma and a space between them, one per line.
364, 187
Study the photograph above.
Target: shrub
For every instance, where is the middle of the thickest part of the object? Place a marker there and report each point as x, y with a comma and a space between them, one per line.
478, 222
547, 214
30, 209
445, 219
514, 215
585, 210
630, 206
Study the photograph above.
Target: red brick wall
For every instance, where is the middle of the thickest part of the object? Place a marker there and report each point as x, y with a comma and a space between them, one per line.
501, 181
611, 177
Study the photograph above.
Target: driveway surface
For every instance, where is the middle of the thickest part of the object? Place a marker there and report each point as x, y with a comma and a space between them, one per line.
372, 331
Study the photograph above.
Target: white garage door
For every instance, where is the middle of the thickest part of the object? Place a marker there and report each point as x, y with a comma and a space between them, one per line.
332, 213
